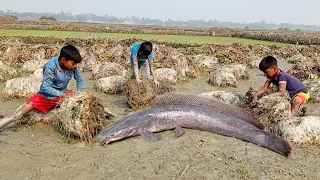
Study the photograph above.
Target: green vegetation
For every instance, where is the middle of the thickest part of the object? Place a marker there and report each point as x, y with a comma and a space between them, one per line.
14, 17
49, 18
167, 38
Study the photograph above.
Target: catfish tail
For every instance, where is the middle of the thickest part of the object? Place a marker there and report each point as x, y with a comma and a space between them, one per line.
277, 144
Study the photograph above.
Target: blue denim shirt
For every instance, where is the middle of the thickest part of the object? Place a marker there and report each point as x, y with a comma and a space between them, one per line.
55, 81
134, 51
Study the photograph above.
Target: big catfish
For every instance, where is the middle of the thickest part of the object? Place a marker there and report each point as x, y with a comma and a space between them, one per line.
168, 116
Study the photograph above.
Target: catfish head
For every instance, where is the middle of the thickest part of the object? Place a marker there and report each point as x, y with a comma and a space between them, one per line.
127, 127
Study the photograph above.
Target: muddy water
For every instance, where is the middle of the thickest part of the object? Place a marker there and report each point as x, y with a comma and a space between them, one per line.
38, 151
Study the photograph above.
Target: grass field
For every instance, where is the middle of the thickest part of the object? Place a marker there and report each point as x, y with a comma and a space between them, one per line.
167, 38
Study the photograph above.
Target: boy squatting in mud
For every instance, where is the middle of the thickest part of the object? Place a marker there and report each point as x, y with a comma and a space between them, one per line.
141, 57
297, 90
56, 75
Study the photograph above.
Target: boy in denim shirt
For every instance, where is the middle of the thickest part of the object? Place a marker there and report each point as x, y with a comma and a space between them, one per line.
56, 75
141, 57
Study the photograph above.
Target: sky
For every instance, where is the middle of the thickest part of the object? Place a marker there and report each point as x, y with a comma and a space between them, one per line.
242, 11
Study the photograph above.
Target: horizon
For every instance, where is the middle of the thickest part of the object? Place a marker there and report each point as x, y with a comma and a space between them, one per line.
262, 21
246, 11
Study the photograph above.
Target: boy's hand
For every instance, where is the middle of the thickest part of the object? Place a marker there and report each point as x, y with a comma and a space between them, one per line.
65, 94
253, 103
59, 102
68, 93
139, 81
156, 83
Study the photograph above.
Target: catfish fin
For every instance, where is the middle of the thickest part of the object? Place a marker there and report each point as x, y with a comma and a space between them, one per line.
179, 131
150, 136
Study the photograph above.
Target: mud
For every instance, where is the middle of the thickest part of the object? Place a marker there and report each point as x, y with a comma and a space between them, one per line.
40, 152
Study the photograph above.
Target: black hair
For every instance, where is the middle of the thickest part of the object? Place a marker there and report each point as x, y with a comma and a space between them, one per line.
268, 62
69, 52
146, 48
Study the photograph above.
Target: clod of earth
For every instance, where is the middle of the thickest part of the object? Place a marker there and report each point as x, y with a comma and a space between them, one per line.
82, 115
139, 96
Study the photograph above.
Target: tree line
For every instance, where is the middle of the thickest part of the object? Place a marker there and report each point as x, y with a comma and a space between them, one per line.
62, 16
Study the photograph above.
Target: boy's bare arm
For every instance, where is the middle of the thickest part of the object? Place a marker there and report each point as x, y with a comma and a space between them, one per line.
136, 67
262, 90
282, 90
152, 72
151, 67
79, 79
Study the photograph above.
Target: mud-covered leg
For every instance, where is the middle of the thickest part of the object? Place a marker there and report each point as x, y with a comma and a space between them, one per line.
18, 114
295, 105
145, 69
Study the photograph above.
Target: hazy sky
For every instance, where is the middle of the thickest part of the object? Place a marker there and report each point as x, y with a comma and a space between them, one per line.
276, 11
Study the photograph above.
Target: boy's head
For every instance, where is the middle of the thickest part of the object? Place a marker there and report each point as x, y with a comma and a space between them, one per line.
145, 49
269, 66
70, 56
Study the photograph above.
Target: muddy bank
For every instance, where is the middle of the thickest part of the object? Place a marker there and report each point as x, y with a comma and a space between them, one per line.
40, 152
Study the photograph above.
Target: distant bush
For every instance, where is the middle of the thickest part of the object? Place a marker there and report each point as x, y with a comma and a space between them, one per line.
47, 18
14, 17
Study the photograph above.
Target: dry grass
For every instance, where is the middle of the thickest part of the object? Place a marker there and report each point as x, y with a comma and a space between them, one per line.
140, 96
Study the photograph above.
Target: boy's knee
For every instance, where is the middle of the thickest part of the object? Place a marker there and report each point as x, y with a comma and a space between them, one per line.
145, 70
296, 101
